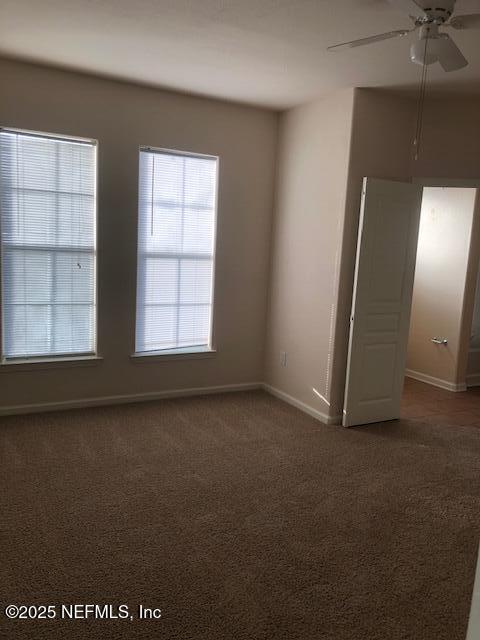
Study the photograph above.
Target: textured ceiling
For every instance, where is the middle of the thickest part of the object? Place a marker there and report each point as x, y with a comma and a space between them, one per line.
263, 52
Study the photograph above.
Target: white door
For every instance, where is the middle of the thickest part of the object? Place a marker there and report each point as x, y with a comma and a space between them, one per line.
382, 297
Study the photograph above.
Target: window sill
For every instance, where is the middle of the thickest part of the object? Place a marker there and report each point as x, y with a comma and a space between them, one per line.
39, 364
173, 354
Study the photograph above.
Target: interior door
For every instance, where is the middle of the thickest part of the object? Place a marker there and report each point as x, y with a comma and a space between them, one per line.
382, 297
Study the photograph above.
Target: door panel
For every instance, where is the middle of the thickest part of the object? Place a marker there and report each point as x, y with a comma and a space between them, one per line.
384, 273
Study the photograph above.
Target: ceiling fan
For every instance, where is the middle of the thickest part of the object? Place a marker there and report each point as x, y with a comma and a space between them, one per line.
432, 44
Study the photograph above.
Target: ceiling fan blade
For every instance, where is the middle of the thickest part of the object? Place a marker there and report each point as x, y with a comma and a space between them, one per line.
449, 55
410, 7
470, 21
363, 41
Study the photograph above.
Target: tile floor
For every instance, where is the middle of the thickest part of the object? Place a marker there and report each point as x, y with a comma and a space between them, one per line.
430, 404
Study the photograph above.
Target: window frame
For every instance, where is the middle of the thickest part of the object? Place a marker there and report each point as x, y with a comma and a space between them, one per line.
192, 352
48, 361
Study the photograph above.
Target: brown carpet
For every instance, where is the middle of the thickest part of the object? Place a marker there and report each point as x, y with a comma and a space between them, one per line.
241, 518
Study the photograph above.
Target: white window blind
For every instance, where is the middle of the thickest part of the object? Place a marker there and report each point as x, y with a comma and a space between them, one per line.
176, 237
47, 222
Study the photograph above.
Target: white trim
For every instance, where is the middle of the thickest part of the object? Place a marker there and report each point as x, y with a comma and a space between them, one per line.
126, 399
51, 136
436, 382
40, 364
473, 632
459, 183
176, 152
318, 415
162, 395
473, 380
173, 354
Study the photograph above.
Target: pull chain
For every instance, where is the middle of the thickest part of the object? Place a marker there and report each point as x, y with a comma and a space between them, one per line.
421, 103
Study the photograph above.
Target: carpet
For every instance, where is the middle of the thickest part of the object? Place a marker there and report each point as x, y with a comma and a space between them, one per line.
238, 517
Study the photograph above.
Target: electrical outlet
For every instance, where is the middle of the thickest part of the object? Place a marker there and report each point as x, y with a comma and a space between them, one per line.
283, 358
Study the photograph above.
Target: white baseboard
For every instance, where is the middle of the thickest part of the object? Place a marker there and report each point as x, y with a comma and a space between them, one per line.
83, 403
473, 380
126, 399
436, 382
323, 417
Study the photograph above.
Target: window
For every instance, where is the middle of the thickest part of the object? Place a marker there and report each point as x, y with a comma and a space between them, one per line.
176, 238
47, 216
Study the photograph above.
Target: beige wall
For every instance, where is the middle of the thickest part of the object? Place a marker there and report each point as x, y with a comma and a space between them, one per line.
122, 117
382, 146
325, 149
440, 283
450, 146
383, 127
475, 334
451, 149
311, 188
473, 367
469, 299
310, 205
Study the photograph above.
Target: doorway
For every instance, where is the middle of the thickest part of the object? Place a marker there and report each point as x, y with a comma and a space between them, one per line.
444, 340
385, 299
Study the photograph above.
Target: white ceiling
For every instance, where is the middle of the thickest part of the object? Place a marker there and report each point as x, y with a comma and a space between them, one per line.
263, 52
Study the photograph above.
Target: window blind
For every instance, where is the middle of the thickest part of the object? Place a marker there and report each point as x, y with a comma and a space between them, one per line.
176, 236
47, 221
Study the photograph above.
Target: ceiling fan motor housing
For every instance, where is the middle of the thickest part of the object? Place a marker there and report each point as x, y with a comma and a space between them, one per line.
438, 11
